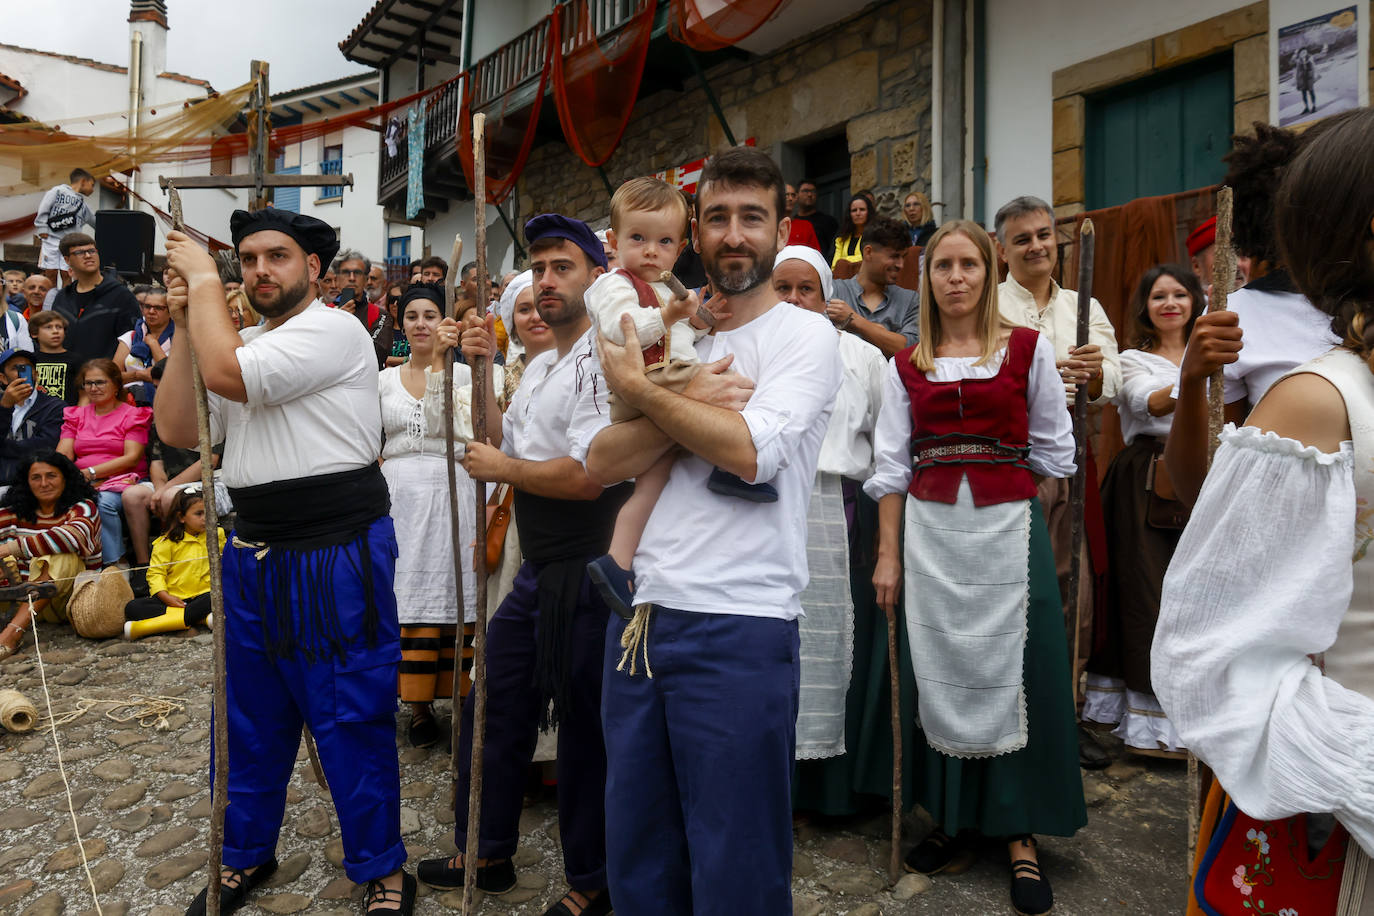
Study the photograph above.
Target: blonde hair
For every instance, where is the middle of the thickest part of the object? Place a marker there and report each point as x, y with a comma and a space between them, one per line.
648, 195
990, 321
238, 300
926, 212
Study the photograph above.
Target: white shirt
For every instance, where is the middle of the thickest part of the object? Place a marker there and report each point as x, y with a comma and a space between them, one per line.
1059, 323
1279, 332
131, 361
1261, 580
16, 329
312, 404
1051, 429
536, 425
21, 410
1142, 374
718, 554
612, 295
847, 449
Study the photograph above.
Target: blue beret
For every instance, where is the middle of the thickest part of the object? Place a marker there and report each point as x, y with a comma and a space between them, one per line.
554, 226
313, 235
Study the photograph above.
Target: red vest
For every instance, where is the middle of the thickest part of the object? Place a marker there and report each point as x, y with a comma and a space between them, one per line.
656, 353
974, 427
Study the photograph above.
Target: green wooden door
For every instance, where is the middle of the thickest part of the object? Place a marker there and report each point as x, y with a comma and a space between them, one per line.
1159, 135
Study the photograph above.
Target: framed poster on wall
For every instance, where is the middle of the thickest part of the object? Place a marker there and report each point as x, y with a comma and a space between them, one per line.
1320, 61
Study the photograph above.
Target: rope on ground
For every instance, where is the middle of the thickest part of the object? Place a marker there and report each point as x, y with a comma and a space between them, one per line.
61, 768
132, 568
148, 711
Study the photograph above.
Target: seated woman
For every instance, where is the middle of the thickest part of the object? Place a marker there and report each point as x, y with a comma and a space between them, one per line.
849, 244
106, 438
49, 524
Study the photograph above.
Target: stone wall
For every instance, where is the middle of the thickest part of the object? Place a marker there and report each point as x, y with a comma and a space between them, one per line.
867, 76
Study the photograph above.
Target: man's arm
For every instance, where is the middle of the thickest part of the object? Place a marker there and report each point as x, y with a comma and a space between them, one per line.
557, 478
1216, 341
174, 408
890, 342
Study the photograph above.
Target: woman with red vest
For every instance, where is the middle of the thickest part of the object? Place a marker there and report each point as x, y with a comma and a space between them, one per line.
971, 415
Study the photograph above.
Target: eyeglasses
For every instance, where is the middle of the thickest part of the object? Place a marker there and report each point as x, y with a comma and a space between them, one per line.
83, 253
95, 383
351, 273
154, 308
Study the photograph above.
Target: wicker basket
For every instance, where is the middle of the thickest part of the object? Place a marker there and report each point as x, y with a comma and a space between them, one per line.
97, 604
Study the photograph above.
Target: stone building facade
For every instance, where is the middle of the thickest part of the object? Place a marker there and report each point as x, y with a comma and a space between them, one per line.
866, 78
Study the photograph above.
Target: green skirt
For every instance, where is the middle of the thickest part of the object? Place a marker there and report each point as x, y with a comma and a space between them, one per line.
860, 780
1039, 788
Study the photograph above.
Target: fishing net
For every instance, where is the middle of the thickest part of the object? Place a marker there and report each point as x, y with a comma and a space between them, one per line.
709, 25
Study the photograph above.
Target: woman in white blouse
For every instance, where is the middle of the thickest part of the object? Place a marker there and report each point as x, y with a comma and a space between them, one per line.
971, 416
414, 464
1264, 651
1143, 521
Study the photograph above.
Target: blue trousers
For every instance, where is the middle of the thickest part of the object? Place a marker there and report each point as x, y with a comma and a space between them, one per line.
699, 766
513, 710
111, 526
349, 704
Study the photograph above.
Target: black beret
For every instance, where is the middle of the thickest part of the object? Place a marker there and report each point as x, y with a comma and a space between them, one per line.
429, 291
313, 235
553, 225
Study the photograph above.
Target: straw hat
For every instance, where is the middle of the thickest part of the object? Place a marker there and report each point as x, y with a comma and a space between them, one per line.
97, 604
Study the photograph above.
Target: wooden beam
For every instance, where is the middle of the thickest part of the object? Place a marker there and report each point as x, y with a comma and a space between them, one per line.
418, 24
424, 27
368, 92
444, 56
270, 180
348, 98
328, 101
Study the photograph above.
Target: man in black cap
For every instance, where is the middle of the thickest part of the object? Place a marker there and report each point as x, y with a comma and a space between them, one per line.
312, 632
545, 644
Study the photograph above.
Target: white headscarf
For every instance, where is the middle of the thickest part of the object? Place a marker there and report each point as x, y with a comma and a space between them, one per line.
813, 257
506, 307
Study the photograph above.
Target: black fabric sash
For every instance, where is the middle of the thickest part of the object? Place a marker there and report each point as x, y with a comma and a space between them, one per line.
308, 513
559, 536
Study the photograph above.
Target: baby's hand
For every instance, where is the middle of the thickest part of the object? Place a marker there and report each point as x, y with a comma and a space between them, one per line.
680, 309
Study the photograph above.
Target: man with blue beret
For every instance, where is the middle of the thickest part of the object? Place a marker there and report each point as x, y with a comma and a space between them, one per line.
546, 642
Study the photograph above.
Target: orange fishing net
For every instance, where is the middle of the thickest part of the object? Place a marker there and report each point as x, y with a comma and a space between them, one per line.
709, 25
594, 84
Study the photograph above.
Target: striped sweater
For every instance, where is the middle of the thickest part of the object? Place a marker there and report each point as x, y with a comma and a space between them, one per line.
77, 531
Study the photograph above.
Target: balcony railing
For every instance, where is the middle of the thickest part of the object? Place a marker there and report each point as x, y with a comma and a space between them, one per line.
510, 73
330, 167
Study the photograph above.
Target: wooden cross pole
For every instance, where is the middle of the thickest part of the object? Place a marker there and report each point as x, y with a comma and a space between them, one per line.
261, 181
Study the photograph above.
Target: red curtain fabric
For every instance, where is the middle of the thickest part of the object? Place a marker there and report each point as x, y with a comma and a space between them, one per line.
595, 86
709, 25
509, 130
17, 225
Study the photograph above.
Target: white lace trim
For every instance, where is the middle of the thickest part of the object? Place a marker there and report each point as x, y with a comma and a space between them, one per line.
1252, 438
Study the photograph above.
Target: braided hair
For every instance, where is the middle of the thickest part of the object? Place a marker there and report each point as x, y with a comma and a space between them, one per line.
1323, 216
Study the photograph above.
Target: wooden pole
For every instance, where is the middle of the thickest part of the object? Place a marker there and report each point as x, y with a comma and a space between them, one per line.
455, 526
480, 368
220, 788
259, 132
1087, 240
894, 863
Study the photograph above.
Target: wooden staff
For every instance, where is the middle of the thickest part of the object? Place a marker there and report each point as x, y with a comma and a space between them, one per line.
1078, 488
219, 790
894, 864
455, 526
479, 434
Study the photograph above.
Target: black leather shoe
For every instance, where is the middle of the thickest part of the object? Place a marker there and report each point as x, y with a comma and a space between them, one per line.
1030, 890
497, 878
600, 905
231, 897
423, 731
380, 900
1091, 755
939, 852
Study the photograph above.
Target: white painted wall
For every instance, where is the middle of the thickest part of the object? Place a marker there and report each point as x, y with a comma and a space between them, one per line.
1027, 42
495, 22
461, 218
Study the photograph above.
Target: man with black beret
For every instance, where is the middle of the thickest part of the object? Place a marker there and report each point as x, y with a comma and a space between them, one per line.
546, 643
312, 637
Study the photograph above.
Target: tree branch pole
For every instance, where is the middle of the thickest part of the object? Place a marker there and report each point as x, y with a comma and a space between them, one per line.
481, 366
1087, 240
220, 788
894, 864
455, 525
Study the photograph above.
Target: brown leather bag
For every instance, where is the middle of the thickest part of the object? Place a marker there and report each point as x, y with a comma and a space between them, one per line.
1164, 509
498, 520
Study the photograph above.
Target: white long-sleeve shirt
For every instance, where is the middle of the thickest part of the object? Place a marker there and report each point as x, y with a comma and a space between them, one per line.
613, 295
1261, 581
1051, 429
847, 449
1142, 374
1059, 323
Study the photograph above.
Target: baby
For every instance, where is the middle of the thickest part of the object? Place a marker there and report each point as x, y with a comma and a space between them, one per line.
649, 225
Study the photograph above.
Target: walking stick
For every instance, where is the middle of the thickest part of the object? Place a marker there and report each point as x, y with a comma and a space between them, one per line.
219, 789
1087, 240
479, 434
455, 527
894, 864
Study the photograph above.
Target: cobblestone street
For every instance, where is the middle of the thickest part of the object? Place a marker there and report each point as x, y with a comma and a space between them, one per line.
142, 807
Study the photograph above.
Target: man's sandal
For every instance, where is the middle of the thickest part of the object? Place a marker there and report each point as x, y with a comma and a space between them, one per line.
7, 651
382, 900
600, 905
235, 886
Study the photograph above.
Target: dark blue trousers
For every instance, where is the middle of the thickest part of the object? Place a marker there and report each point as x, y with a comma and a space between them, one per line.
699, 766
349, 705
513, 711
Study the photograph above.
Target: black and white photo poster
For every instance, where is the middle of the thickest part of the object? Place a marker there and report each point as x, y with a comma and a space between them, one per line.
1319, 67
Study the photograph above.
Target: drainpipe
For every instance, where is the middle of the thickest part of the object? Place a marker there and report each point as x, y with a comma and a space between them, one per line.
937, 101
465, 55
970, 128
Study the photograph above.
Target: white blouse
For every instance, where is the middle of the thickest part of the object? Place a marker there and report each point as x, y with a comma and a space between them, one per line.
1051, 429
847, 449
403, 414
1142, 374
1260, 582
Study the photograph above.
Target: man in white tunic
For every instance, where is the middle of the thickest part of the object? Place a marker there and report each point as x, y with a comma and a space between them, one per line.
700, 714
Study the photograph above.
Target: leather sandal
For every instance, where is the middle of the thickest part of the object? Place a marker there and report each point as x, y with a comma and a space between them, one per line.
7, 651
382, 900
235, 886
600, 905
938, 853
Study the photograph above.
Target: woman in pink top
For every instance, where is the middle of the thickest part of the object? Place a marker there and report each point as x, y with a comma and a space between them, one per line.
106, 437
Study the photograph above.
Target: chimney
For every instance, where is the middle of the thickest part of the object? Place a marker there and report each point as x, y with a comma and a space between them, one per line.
148, 18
